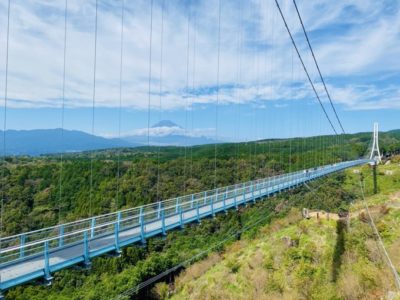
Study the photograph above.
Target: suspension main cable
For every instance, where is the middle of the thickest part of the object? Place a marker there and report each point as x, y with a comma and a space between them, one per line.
305, 68
316, 64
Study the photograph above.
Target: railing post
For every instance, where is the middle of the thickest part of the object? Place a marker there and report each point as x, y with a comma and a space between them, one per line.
140, 215
177, 205
142, 237
116, 232
192, 200
264, 187
212, 204
244, 193
224, 198
61, 236
163, 222
198, 211
252, 193
86, 249
92, 227
22, 246
47, 274
205, 197
159, 210
180, 217
234, 197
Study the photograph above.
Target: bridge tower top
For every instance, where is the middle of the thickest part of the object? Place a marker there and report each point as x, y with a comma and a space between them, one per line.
375, 153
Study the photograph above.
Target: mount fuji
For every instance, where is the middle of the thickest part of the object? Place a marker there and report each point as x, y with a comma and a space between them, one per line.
167, 133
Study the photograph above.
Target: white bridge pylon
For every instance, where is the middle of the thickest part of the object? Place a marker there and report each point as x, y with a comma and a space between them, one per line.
375, 153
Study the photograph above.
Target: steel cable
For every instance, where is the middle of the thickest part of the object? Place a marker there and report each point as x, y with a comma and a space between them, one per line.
305, 68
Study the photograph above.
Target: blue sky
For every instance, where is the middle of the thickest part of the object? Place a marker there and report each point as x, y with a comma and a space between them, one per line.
263, 91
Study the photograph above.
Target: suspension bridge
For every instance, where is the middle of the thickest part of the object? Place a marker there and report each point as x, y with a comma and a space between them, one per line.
37, 254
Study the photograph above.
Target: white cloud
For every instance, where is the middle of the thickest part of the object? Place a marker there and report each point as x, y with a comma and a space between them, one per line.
157, 131
367, 97
369, 44
165, 131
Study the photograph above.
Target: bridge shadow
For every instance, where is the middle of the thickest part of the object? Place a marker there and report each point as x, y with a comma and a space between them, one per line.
337, 258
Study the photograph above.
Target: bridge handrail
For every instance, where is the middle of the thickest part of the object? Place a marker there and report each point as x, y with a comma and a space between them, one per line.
97, 226
202, 195
251, 182
77, 232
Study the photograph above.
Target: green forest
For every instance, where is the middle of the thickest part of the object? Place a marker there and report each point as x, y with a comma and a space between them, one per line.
43, 191
47, 190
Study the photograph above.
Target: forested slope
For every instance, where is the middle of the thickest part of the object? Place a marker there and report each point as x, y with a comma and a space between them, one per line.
44, 191
32, 190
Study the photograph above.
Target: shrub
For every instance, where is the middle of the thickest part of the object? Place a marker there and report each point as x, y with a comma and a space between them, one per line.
161, 290
233, 265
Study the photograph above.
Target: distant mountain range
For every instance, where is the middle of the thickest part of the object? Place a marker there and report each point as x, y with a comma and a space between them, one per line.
47, 141
164, 133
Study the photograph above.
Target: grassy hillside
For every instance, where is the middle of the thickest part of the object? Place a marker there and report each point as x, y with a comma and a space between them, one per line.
296, 258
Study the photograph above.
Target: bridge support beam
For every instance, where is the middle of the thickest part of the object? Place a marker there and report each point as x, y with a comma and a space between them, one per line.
47, 275
374, 167
159, 210
198, 212
22, 245
224, 201
86, 253
212, 205
92, 228
181, 217
142, 237
61, 238
164, 233
235, 199
116, 234
244, 195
